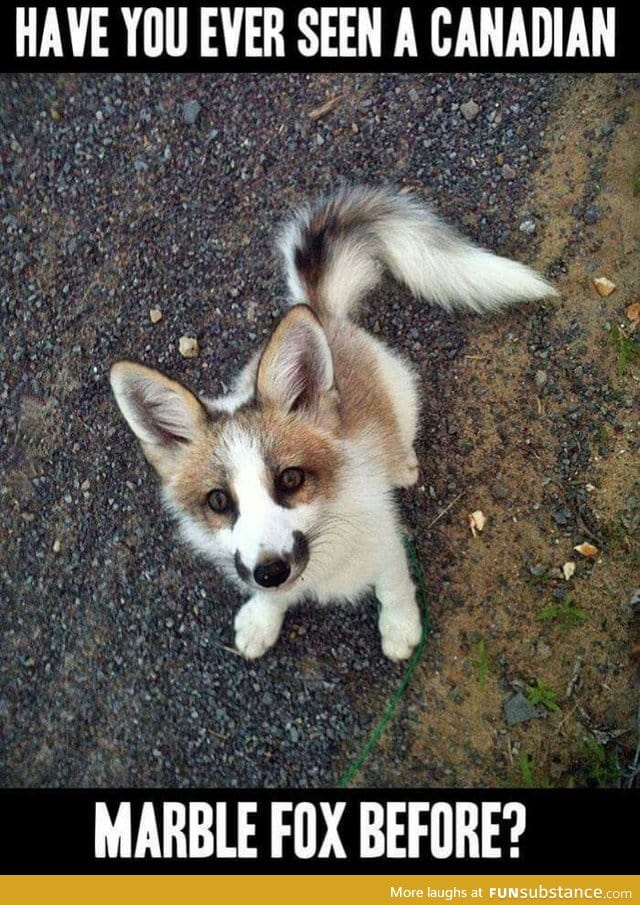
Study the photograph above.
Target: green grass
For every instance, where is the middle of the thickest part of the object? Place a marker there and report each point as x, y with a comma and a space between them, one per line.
602, 768
542, 694
566, 613
628, 350
481, 662
525, 763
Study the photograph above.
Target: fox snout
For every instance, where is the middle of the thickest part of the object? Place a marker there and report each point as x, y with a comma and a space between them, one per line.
273, 569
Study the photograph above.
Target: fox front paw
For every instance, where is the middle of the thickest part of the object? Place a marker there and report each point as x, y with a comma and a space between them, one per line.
257, 626
400, 631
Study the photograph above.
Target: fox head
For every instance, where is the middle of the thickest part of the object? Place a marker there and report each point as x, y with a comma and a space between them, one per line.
250, 487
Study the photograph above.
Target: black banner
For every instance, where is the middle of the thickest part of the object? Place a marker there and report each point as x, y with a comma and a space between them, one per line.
252, 832
385, 37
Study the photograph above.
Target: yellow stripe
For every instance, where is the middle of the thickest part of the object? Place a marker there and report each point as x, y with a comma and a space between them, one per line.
327, 890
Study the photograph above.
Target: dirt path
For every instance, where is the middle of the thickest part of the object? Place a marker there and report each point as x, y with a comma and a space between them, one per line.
546, 444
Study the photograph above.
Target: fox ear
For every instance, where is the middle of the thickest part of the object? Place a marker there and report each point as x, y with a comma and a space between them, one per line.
296, 367
162, 413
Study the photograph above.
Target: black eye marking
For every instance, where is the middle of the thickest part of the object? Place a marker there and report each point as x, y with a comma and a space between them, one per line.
290, 480
219, 501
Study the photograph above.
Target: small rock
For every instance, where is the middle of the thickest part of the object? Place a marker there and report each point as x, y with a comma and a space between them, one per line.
528, 226
188, 347
604, 286
540, 379
140, 166
568, 570
538, 571
55, 115
500, 159
518, 710
155, 314
508, 172
634, 603
57, 546
592, 215
469, 110
190, 112
633, 313
476, 521
414, 97
587, 550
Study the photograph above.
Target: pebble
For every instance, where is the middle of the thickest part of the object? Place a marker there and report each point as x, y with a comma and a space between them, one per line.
538, 571
518, 710
470, 110
188, 347
191, 112
592, 214
528, 226
508, 172
540, 379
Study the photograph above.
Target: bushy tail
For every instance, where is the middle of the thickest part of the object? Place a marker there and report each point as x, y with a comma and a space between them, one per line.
337, 248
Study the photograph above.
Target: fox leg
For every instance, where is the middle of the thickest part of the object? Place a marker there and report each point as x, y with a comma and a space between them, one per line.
258, 623
399, 622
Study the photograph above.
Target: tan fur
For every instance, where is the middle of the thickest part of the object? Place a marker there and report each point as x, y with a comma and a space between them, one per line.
286, 441
365, 403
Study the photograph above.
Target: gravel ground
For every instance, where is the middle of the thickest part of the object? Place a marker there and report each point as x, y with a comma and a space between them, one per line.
127, 193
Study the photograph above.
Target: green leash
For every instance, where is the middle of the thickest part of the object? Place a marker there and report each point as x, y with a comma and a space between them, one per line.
381, 725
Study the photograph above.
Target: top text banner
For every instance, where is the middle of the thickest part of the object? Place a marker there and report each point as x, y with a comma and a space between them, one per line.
386, 37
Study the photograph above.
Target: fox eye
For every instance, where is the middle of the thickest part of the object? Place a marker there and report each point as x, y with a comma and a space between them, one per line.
219, 501
290, 479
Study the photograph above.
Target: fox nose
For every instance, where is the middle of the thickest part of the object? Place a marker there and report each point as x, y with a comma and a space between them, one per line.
273, 573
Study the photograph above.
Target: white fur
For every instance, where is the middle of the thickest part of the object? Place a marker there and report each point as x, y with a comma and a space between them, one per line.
262, 529
359, 549
420, 250
170, 412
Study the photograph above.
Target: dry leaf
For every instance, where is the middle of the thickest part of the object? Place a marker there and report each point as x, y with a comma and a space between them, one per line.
633, 313
188, 347
476, 521
327, 107
155, 314
568, 569
604, 286
587, 550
